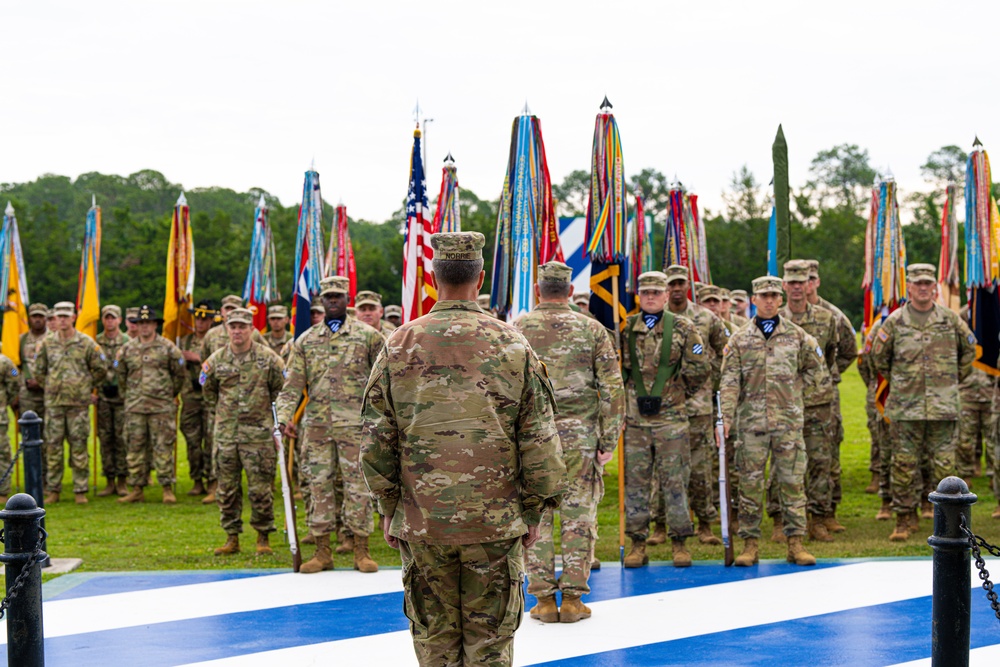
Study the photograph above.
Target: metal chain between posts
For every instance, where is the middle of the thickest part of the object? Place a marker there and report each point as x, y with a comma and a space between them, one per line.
22, 577
974, 543
10, 468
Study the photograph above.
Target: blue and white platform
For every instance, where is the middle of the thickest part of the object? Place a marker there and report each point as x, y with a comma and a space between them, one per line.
860, 613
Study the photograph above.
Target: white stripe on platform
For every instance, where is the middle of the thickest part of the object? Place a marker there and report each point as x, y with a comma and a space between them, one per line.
647, 619
987, 656
176, 603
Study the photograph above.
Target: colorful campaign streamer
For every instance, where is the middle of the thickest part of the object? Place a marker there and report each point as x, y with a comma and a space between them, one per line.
982, 248
308, 253
340, 254
261, 285
885, 254
447, 217
178, 320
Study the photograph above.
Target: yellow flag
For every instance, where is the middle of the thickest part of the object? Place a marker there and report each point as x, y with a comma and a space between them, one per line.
15, 317
177, 317
88, 303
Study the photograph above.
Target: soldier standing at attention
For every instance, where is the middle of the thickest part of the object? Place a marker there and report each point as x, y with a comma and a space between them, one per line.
332, 362
368, 305
741, 302
462, 455
394, 315
976, 393
316, 314
277, 323
242, 380
764, 369
217, 337
32, 396
583, 367
69, 366
195, 424
10, 386
925, 351
131, 328
111, 406
151, 370
880, 454
664, 365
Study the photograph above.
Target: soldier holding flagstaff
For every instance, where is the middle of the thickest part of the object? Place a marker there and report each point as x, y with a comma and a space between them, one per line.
111, 406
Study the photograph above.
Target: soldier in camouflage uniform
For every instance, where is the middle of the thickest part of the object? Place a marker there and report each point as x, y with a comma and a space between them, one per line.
332, 361
818, 428
277, 324
583, 367
195, 413
394, 315
241, 381
735, 319
976, 393
925, 351
152, 372
10, 387
368, 305
881, 447
111, 406
69, 366
32, 395
656, 436
462, 456
764, 369
741, 304
582, 301
131, 328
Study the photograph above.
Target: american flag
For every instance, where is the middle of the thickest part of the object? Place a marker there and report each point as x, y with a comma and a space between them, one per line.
419, 294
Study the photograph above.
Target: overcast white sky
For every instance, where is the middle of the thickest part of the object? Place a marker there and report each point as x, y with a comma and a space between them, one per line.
246, 93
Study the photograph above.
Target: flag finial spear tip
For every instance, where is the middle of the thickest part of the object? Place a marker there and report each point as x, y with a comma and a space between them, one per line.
340, 202
448, 159
10, 209
182, 200
526, 111
261, 203
606, 106
416, 112
976, 143
93, 200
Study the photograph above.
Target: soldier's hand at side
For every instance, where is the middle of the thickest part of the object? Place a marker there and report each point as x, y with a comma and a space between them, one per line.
533, 534
389, 539
604, 457
191, 356
289, 430
32, 384
93, 399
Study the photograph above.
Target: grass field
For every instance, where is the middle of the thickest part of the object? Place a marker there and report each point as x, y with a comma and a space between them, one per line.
153, 536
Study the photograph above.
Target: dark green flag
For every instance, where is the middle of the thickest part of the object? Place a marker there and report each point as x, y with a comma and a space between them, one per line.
779, 154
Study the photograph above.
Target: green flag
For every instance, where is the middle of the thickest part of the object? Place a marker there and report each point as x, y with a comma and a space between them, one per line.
779, 154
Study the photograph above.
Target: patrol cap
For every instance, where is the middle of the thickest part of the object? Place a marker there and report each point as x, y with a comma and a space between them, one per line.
921, 273
724, 293
467, 246
483, 301
813, 268
675, 272
50, 313
277, 311
796, 271
202, 311
709, 292
112, 309
145, 314
740, 295
393, 310
367, 297
131, 313
240, 315
334, 285
316, 308
64, 308
582, 297
654, 280
38, 309
233, 301
767, 285
351, 310
555, 272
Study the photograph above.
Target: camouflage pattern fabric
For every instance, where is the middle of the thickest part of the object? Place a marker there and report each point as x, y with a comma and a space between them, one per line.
10, 388
913, 442
464, 601
30, 399
788, 460
701, 438
320, 477
69, 369
218, 337
197, 419
973, 428
111, 411
151, 375
277, 345
150, 438
259, 460
817, 435
878, 427
847, 341
819, 324
661, 453
72, 425
714, 335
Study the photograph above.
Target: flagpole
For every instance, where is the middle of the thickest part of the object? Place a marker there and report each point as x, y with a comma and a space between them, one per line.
621, 440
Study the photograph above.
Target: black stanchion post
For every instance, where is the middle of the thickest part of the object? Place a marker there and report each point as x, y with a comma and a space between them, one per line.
952, 595
25, 638
34, 462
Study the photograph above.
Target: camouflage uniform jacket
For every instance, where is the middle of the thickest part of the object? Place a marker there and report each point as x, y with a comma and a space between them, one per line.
978, 387
151, 374
822, 326
10, 387
191, 389
762, 379
110, 347
847, 340
735, 322
585, 373
714, 335
218, 337
686, 349
924, 364
242, 390
387, 327
333, 368
277, 344
866, 364
29, 344
460, 445
69, 370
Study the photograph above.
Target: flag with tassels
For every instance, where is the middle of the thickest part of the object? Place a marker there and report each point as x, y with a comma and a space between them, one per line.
446, 216
527, 229
13, 283
340, 255
178, 320
88, 302
684, 241
418, 294
949, 284
982, 247
640, 257
261, 285
308, 254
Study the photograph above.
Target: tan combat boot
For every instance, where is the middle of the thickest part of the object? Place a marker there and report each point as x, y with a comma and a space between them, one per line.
637, 556
321, 560
210, 498
873, 485
817, 529
884, 512
926, 510
308, 539
198, 489
682, 557
659, 535
363, 561
595, 565
108, 490
832, 525
902, 531
914, 522
797, 553
346, 545
546, 610
263, 545
749, 556
572, 610
137, 495
778, 534
121, 488
51, 498
996, 512
80, 498
168, 495
705, 534
232, 546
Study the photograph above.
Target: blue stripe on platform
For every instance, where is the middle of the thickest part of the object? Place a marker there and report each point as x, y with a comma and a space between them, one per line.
86, 584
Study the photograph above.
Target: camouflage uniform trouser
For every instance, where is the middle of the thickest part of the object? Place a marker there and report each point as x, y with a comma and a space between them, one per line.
817, 432
916, 442
701, 435
31, 400
464, 601
973, 428
198, 432
72, 424
874, 417
578, 523
111, 430
836, 492
5, 459
788, 460
657, 455
885, 449
145, 433
327, 449
259, 460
